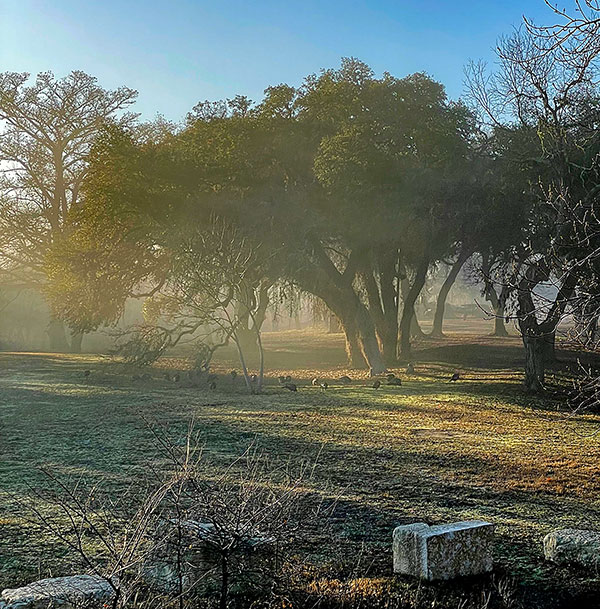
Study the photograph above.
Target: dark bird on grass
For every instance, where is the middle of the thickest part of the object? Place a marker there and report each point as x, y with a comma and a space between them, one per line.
86, 373
253, 378
376, 384
315, 382
177, 378
324, 385
390, 376
290, 387
395, 382
455, 377
345, 380
233, 375
167, 376
212, 385
410, 368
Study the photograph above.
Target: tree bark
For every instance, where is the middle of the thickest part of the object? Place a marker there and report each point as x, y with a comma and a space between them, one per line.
408, 309
438, 319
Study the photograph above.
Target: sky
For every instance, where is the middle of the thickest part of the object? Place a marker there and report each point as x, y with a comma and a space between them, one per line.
178, 52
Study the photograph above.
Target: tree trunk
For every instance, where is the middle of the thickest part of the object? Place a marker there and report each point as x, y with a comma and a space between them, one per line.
499, 327
538, 338
356, 359
438, 319
368, 340
76, 342
57, 336
383, 307
337, 291
535, 364
408, 309
498, 304
415, 327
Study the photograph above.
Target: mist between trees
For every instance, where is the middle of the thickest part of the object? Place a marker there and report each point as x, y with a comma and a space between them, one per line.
352, 189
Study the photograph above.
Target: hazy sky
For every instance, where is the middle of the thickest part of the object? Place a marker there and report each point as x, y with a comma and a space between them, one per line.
177, 52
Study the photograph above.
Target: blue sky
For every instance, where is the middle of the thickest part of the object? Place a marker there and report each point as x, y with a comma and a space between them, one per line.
178, 52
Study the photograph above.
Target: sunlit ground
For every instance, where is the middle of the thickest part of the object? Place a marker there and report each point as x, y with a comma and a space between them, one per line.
428, 451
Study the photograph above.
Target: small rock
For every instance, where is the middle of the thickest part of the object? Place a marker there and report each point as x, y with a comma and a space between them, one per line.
443, 551
573, 546
64, 592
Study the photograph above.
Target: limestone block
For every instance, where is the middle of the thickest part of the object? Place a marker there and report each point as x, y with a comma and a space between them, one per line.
443, 551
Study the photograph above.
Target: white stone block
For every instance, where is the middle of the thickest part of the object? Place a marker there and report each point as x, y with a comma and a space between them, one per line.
443, 551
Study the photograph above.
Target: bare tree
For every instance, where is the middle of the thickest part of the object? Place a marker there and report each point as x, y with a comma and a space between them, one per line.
543, 89
46, 132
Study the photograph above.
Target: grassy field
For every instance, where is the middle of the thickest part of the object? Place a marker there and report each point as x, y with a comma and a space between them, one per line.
429, 451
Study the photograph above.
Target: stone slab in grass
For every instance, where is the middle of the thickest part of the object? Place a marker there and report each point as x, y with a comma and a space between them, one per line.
573, 546
443, 551
64, 592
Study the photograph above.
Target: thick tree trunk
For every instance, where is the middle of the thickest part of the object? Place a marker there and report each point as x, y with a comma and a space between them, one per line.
408, 309
438, 319
335, 288
356, 359
362, 347
535, 363
76, 342
368, 340
383, 309
499, 327
57, 336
